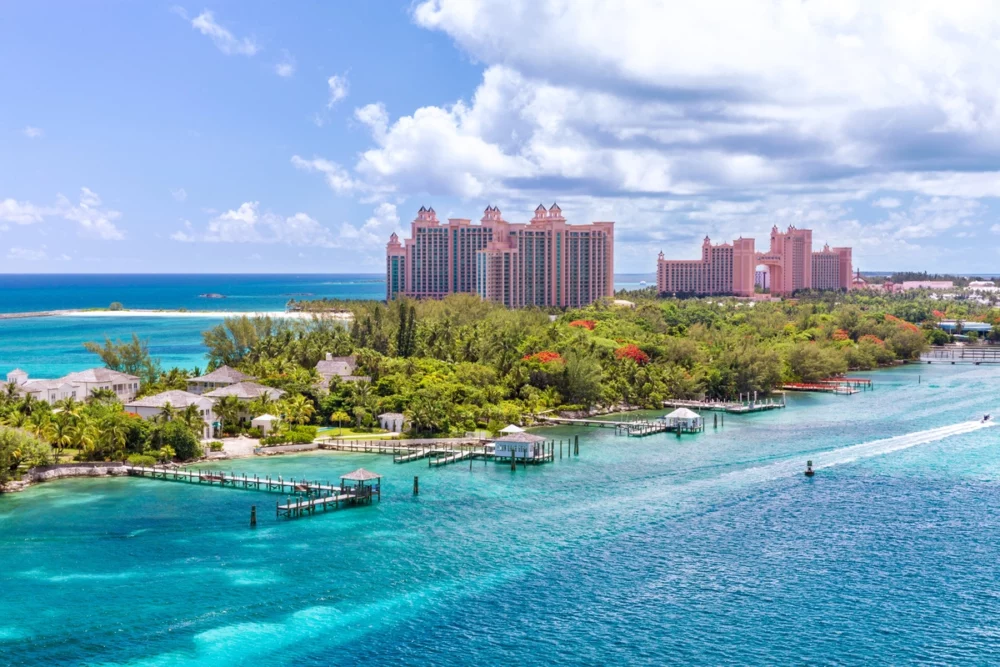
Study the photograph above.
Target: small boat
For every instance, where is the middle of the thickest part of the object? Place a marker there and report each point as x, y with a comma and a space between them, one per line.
809, 469
986, 418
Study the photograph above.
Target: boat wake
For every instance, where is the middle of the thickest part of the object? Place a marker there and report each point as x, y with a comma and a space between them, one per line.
852, 453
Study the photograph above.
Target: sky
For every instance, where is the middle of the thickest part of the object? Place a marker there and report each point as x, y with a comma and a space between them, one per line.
263, 136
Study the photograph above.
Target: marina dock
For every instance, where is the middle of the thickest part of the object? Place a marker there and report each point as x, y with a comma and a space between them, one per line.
962, 355
732, 407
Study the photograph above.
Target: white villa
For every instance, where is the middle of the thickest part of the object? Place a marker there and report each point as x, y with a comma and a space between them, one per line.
223, 376
76, 385
150, 406
247, 392
340, 367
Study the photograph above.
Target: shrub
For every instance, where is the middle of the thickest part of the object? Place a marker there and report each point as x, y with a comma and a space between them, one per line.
632, 351
584, 324
544, 357
116, 305
215, 446
141, 460
176, 435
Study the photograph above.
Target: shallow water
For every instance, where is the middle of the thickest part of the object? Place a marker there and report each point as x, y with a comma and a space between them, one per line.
711, 549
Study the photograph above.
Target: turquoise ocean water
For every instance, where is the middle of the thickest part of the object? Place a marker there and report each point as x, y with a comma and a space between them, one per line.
713, 549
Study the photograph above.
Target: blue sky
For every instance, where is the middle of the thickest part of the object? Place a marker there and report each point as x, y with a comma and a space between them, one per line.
294, 137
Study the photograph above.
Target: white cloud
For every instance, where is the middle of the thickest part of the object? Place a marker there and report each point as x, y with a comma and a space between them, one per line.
286, 67
247, 224
93, 220
376, 229
223, 39
375, 117
887, 202
26, 254
338, 89
995, 229
337, 177
33, 132
180, 194
21, 213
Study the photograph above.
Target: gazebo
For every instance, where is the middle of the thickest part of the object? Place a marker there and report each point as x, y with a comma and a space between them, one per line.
520, 445
366, 484
685, 421
265, 423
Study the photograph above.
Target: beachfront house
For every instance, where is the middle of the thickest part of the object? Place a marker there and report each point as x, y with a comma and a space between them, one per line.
520, 445
150, 407
78, 385
247, 392
340, 367
223, 376
393, 422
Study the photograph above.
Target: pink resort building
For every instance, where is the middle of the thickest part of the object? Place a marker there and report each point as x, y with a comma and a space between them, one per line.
544, 262
788, 265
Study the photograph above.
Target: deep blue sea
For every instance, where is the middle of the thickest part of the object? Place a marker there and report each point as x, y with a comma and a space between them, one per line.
53, 346
712, 549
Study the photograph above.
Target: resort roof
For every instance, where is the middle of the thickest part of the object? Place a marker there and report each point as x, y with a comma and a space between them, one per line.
246, 391
360, 475
520, 437
224, 374
32, 386
392, 415
266, 418
342, 366
511, 428
100, 375
683, 413
175, 397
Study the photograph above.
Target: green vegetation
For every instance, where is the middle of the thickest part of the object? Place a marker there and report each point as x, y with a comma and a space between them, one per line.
460, 364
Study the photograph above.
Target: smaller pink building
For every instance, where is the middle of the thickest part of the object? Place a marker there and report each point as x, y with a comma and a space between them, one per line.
725, 268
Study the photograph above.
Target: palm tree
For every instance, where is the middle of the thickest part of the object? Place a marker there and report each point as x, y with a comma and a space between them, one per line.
61, 432
339, 417
228, 411
84, 437
38, 424
298, 409
102, 396
167, 413
192, 417
262, 405
114, 436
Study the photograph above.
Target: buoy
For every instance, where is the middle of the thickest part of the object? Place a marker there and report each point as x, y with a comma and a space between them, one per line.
809, 469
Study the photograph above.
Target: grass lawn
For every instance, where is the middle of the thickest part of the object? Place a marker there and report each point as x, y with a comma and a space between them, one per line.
350, 433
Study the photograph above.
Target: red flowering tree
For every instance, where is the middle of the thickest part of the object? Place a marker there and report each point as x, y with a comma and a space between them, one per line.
870, 338
584, 324
901, 323
938, 314
632, 351
840, 334
544, 357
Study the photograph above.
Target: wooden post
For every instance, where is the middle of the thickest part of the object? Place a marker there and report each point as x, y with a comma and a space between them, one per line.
576, 445
416, 485
513, 461
716, 420
722, 421
560, 450
253, 516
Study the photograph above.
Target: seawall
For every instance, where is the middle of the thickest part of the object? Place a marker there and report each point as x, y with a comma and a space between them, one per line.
63, 471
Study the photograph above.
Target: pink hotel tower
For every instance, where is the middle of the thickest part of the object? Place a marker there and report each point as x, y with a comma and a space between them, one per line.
729, 268
544, 262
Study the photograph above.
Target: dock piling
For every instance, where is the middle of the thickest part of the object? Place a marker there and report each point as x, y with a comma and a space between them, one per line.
576, 445
416, 485
253, 516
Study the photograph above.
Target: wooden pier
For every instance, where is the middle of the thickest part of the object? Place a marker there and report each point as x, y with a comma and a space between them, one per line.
962, 355
308, 496
732, 407
820, 387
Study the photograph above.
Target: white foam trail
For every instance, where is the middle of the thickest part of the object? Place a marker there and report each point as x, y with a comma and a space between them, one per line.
852, 453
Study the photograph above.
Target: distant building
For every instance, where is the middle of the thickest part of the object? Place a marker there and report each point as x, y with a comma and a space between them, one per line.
217, 379
150, 407
78, 385
340, 367
545, 262
923, 284
394, 422
723, 269
789, 265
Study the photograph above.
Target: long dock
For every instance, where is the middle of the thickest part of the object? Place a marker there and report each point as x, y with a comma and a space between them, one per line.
234, 481
962, 355
733, 407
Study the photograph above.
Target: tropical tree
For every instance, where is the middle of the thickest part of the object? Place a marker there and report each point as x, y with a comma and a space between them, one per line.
166, 414
60, 433
113, 436
338, 417
193, 418
298, 409
228, 410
